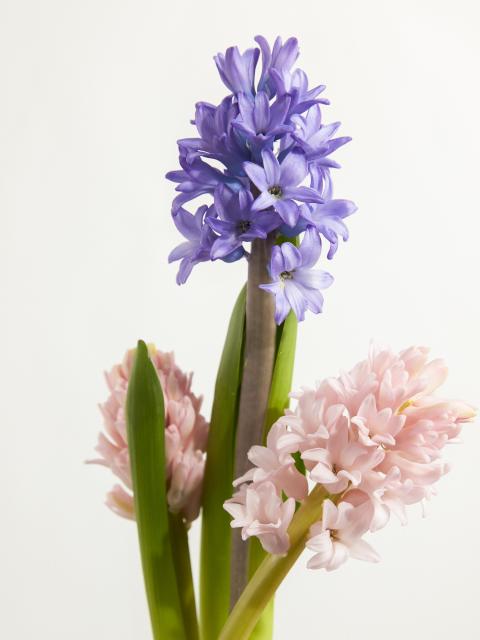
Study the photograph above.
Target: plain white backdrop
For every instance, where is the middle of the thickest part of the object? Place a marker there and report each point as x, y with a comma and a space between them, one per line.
93, 96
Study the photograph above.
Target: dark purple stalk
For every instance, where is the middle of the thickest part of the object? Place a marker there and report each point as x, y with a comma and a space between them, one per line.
257, 375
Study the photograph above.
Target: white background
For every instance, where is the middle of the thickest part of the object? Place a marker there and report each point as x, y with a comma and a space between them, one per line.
93, 96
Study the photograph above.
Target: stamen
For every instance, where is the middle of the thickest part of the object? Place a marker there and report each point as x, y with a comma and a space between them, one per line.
244, 225
276, 191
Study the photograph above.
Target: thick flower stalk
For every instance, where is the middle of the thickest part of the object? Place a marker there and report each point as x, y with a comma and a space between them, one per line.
371, 439
186, 434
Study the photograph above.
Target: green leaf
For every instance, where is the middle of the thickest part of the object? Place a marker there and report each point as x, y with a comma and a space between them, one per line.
277, 403
146, 443
282, 372
216, 530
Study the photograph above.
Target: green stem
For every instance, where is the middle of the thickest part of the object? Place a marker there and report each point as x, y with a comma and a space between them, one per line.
263, 630
183, 570
272, 571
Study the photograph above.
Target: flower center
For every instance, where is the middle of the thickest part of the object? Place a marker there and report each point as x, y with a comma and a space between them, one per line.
276, 191
243, 226
286, 275
404, 406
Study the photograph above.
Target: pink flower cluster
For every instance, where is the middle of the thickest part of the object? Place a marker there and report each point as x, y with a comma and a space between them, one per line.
185, 437
372, 438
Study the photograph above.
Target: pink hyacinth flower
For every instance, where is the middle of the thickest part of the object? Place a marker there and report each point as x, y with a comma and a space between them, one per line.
274, 463
343, 460
339, 536
259, 511
373, 437
186, 434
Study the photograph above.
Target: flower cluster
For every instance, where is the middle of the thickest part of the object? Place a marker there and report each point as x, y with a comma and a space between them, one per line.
186, 434
372, 438
263, 156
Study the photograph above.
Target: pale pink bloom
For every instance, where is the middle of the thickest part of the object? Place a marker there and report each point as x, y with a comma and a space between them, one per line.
393, 379
343, 460
313, 418
373, 437
339, 536
186, 434
259, 511
386, 493
275, 463
377, 426
121, 502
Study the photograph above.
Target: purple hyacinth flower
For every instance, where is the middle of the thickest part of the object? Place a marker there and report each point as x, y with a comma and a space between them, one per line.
200, 239
259, 121
196, 179
237, 70
279, 184
218, 139
316, 139
236, 222
328, 220
281, 59
295, 284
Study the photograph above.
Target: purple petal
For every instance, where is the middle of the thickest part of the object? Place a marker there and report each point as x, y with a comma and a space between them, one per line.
277, 263
224, 246
257, 175
245, 105
313, 278
255, 231
336, 143
187, 224
184, 270
288, 210
303, 194
264, 201
338, 208
266, 59
245, 199
278, 111
314, 300
293, 169
181, 251
235, 255
282, 307
310, 247
261, 112
323, 134
268, 220
222, 227
331, 227
323, 162
295, 299
291, 256
272, 168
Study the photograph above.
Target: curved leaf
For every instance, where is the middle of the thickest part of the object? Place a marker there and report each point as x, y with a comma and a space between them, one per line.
216, 530
282, 372
146, 442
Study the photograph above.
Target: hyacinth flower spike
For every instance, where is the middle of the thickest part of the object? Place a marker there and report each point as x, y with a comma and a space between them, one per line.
356, 480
